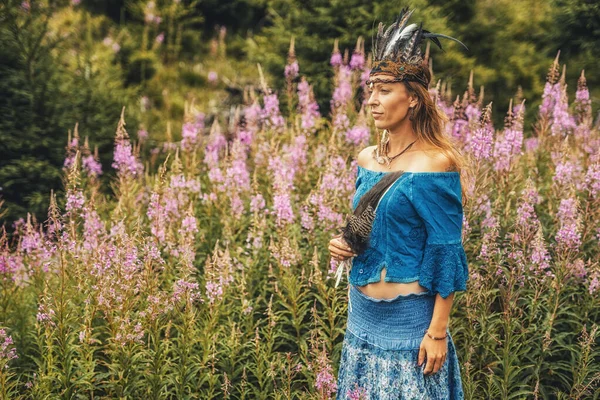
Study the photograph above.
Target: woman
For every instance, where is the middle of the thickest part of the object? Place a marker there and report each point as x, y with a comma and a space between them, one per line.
397, 343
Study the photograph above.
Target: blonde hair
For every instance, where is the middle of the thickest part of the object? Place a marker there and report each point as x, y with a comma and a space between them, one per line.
428, 124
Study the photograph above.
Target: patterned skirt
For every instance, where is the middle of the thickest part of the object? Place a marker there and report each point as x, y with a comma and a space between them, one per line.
381, 349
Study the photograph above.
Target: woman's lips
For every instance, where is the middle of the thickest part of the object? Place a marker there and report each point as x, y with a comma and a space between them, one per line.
376, 115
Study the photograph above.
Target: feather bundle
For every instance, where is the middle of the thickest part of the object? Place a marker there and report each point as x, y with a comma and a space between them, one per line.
359, 224
401, 41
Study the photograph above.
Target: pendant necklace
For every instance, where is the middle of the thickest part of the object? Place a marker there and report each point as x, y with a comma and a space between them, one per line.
390, 159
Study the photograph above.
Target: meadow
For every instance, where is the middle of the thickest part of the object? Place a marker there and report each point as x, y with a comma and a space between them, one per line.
210, 277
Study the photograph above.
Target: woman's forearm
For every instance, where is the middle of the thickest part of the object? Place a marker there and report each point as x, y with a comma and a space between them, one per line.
441, 315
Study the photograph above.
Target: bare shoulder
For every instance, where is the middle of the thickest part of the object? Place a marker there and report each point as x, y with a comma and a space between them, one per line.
364, 156
432, 161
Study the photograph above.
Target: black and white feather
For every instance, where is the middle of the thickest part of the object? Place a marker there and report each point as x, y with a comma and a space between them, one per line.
359, 224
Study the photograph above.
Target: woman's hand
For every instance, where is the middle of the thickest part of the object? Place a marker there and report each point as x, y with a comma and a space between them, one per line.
435, 350
339, 249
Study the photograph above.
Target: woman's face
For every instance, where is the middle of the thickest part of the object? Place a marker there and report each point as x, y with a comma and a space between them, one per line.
389, 102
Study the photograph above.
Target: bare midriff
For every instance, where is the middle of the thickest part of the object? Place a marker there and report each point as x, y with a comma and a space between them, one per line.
389, 290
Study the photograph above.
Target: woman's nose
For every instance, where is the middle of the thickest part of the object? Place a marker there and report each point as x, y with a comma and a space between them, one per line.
372, 100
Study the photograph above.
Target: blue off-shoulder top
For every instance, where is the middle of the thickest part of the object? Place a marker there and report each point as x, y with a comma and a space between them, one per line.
416, 234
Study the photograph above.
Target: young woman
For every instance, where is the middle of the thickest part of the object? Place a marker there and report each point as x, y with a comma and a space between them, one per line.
397, 343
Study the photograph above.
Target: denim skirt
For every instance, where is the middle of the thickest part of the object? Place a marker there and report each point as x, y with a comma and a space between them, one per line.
381, 349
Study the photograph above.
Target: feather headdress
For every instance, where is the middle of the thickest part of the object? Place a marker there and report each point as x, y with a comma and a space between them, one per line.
358, 227
397, 49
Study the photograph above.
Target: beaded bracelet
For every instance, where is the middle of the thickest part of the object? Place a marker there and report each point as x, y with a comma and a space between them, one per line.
435, 338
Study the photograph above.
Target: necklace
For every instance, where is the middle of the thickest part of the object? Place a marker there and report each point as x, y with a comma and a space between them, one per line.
407, 147
388, 160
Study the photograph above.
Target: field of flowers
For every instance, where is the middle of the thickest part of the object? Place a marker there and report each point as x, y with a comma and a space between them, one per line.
211, 278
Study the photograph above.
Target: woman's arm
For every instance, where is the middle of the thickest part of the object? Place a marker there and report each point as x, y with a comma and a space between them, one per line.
436, 350
441, 315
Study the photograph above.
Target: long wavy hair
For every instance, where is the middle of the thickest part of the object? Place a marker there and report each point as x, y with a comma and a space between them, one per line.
428, 124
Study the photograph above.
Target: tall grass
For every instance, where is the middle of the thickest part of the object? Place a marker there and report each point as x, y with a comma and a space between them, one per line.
211, 278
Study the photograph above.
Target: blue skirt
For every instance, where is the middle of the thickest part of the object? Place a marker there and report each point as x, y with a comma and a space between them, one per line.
381, 349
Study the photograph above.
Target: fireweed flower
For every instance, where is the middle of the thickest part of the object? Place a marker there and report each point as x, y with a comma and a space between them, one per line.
45, 315
157, 215
252, 115
357, 393
189, 136
71, 150
336, 59
531, 144
271, 115
480, 143
336, 56
358, 135
489, 245
509, 143
308, 107
568, 172
357, 61
282, 207
189, 225
562, 122
125, 162
568, 235
297, 151
341, 122
332, 181
550, 96
31, 240
129, 333
325, 382
583, 104
75, 200
460, 123
257, 203
306, 219
459, 128
592, 176
93, 229
285, 252
283, 174
291, 70
7, 350
342, 93
526, 215
142, 134
212, 76
185, 291
473, 112
577, 269
594, 284
214, 291
540, 259
216, 142
327, 217
92, 167
237, 176
519, 108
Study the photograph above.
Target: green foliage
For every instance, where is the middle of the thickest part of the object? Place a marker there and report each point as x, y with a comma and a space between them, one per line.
47, 87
